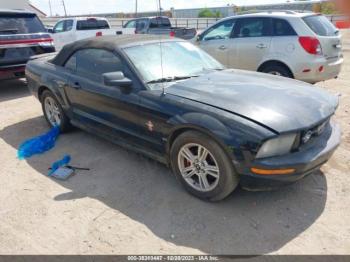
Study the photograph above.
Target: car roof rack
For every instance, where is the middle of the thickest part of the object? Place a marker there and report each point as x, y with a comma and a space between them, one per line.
289, 12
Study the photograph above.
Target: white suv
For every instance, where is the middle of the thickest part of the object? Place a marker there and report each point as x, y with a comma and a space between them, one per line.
304, 46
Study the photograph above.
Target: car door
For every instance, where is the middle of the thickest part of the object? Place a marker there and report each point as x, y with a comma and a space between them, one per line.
97, 106
57, 34
251, 42
217, 41
63, 33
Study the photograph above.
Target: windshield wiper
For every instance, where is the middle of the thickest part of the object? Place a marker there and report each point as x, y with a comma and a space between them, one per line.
10, 30
169, 79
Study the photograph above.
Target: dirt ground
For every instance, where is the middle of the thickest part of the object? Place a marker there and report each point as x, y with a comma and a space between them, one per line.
128, 204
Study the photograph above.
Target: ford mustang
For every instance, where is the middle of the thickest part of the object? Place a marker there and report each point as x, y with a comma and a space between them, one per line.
167, 99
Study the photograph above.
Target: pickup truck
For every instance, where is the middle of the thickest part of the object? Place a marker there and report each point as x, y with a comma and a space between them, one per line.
159, 25
22, 35
72, 29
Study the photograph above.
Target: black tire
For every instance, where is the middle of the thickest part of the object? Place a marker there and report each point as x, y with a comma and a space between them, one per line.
228, 178
65, 122
276, 69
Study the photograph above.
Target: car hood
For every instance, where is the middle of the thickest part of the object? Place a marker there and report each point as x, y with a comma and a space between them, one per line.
278, 103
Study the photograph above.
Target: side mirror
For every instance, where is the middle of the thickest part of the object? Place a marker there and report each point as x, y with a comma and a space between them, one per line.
117, 79
51, 31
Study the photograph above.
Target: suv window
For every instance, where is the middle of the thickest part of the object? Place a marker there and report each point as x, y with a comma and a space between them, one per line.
253, 27
130, 24
59, 27
141, 24
282, 28
321, 25
159, 22
92, 63
68, 25
63, 26
92, 24
222, 30
20, 24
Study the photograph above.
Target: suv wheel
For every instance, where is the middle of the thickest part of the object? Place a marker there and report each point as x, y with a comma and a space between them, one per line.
278, 70
203, 167
53, 111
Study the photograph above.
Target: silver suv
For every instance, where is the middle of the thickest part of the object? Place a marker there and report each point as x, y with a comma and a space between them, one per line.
304, 46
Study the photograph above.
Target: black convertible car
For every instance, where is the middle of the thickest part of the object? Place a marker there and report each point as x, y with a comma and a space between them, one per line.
173, 102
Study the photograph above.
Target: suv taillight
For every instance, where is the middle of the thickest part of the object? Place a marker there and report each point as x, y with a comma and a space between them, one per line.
98, 33
311, 45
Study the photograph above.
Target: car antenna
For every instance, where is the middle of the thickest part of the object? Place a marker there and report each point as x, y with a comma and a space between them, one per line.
161, 50
161, 62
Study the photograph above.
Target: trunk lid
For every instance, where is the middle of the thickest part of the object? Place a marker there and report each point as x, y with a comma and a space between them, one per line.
328, 35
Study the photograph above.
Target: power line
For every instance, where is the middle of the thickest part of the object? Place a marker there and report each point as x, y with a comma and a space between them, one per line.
50, 8
64, 7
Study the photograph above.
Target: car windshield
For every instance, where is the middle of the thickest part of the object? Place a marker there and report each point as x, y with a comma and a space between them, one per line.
166, 61
20, 24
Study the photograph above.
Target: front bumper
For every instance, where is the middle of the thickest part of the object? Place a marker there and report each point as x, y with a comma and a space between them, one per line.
305, 162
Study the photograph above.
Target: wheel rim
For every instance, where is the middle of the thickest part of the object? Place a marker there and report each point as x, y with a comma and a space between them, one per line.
198, 167
276, 73
52, 111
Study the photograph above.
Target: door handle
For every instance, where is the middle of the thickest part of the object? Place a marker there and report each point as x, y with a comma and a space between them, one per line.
261, 46
76, 85
222, 47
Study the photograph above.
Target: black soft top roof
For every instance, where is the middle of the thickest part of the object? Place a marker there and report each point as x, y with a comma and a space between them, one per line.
111, 43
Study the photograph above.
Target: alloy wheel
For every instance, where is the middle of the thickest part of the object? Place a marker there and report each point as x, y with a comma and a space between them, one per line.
198, 167
52, 111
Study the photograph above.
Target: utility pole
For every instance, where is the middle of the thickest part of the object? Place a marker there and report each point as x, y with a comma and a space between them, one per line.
64, 7
50, 8
135, 8
160, 9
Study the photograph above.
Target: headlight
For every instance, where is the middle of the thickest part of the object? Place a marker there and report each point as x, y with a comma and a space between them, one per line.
277, 146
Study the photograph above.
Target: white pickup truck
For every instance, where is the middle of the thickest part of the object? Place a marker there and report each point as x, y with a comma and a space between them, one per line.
69, 30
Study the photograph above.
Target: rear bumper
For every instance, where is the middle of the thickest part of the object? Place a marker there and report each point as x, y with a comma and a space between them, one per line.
331, 69
12, 71
304, 162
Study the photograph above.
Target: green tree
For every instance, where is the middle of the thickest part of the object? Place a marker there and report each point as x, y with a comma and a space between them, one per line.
206, 12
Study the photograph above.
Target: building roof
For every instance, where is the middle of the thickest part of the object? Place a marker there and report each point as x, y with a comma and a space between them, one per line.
37, 9
16, 11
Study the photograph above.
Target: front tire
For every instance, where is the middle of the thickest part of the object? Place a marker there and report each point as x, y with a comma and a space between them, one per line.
202, 166
53, 111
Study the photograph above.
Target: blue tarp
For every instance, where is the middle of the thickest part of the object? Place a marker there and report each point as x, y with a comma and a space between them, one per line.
39, 144
60, 163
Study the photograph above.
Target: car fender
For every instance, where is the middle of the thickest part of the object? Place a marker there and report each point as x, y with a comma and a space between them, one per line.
53, 83
204, 123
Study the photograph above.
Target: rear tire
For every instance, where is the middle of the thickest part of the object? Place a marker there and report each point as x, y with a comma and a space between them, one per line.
53, 111
210, 174
279, 70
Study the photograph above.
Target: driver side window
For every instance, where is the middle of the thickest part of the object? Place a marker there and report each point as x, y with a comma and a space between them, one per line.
220, 31
59, 27
93, 63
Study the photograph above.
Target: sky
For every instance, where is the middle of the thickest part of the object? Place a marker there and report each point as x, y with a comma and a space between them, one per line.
75, 7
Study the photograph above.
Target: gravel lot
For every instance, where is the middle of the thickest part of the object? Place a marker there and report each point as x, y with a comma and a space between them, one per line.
128, 204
